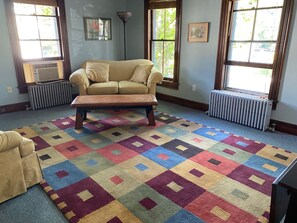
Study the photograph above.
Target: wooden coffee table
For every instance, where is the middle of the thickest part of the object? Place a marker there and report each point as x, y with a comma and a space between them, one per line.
84, 103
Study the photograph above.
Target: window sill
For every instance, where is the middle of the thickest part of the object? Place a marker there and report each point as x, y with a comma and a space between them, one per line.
169, 84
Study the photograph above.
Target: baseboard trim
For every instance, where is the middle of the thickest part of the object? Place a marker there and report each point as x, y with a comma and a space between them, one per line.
280, 126
284, 127
183, 102
14, 107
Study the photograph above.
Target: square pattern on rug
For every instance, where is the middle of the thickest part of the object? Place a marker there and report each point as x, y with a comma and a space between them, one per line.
117, 169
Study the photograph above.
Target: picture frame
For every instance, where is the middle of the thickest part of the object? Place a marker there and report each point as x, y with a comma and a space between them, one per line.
198, 32
97, 28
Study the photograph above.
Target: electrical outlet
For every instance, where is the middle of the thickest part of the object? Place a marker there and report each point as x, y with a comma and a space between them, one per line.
194, 87
9, 89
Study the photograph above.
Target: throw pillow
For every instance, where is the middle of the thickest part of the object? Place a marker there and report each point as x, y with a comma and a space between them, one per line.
141, 73
97, 72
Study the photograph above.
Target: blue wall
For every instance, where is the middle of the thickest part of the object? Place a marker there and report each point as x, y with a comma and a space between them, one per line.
80, 49
7, 71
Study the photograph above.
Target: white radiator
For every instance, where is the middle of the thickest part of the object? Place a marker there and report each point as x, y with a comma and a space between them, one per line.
49, 94
240, 108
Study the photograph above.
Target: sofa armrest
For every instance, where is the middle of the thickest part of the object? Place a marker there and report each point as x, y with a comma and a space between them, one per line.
154, 78
27, 147
79, 78
9, 140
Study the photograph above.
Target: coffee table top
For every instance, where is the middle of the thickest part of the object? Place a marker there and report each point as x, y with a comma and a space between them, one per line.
114, 100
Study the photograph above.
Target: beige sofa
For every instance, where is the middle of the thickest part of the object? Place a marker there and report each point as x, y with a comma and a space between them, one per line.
19, 165
121, 78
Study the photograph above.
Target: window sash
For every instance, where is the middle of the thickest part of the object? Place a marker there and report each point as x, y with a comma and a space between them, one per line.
41, 54
162, 68
38, 2
250, 42
280, 54
161, 4
160, 64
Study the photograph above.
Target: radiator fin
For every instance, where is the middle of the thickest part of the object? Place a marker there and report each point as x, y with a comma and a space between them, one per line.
49, 94
240, 108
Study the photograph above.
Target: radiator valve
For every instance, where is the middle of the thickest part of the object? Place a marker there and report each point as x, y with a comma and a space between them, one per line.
272, 127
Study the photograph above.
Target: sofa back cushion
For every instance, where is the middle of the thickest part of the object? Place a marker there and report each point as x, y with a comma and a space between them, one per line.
141, 73
97, 72
120, 70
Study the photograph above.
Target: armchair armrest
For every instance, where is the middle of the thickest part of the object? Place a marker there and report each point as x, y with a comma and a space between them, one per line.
9, 140
154, 77
79, 78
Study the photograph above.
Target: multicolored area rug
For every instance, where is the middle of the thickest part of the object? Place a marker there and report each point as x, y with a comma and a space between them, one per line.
117, 169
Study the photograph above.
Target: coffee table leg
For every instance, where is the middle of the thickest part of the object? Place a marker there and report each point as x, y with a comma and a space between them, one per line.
150, 115
80, 115
85, 114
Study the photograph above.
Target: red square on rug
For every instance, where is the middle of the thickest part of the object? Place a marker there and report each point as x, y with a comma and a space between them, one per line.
116, 180
117, 153
215, 162
211, 208
73, 149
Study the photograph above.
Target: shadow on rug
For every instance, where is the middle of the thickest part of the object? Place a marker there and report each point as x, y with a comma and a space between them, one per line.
118, 169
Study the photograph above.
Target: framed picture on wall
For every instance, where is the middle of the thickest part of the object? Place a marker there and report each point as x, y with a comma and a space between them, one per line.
97, 28
198, 32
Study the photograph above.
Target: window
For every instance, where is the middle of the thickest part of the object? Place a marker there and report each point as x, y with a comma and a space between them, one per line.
42, 39
163, 38
36, 30
253, 36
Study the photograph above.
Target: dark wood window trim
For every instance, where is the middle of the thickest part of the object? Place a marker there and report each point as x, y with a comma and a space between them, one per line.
280, 52
169, 83
14, 42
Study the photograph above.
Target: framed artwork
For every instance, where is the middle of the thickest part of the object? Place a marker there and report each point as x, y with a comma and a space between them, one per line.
198, 32
97, 28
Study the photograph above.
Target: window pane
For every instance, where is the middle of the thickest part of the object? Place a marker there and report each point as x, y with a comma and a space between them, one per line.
170, 24
30, 49
163, 57
25, 33
239, 52
157, 55
250, 79
50, 49
48, 28
164, 23
267, 24
245, 4
45, 10
169, 59
24, 9
262, 53
270, 3
242, 26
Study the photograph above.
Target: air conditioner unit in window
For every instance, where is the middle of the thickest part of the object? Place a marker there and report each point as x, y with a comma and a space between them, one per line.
46, 72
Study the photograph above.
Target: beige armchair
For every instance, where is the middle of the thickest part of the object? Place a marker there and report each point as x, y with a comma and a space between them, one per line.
19, 165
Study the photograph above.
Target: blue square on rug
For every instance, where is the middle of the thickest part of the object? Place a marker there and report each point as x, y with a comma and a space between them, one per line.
212, 133
62, 175
184, 216
164, 157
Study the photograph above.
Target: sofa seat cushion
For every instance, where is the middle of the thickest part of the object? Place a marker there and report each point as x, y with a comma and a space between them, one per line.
129, 87
110, 87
